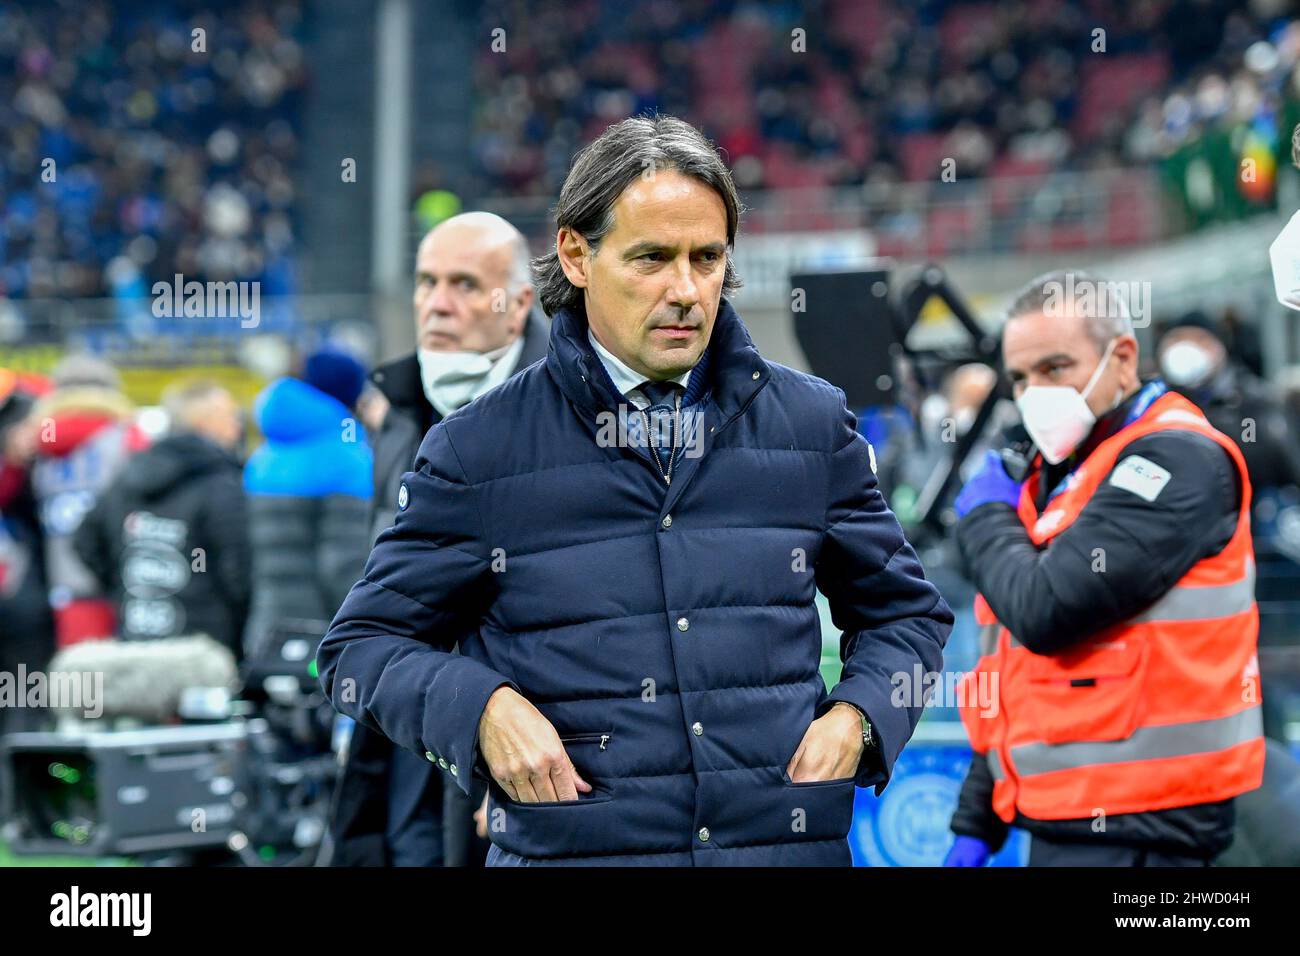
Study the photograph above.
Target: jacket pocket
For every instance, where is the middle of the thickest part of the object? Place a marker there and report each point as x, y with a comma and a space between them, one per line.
589, 752
838, 781
1091, 692
811, 810
498, 796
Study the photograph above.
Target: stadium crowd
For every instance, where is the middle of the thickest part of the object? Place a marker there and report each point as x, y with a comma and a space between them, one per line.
879, 92
143, 140
173, 152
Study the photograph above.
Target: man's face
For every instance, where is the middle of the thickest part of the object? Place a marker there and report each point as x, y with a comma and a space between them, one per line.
970, 386
1056, 350
462, 300
653, 288
1203, 339
220, 421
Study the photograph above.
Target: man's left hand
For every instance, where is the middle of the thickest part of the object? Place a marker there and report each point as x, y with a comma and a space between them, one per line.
831, 747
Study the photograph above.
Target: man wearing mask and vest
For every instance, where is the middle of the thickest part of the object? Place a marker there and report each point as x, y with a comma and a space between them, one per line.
475, 327
1115, 712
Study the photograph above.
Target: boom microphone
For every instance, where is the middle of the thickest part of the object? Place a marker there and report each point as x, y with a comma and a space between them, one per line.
145, 679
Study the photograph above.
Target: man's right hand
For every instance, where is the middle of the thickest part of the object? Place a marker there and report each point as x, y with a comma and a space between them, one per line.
524, 753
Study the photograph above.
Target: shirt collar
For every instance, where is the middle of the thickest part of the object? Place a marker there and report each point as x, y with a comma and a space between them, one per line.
626, 379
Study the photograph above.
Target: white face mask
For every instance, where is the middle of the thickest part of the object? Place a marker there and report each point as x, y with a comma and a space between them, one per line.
1186, 364
453, 379
1057, 417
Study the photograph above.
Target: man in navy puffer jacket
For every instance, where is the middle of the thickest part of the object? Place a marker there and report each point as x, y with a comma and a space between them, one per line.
626, 539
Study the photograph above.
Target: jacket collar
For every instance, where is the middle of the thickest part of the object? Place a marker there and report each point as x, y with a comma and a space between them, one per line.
735, 368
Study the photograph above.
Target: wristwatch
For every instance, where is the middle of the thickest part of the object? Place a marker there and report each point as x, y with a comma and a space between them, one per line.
868, 732
868, 736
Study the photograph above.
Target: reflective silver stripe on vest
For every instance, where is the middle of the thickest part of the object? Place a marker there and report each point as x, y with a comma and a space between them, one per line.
1146, 743
1195, 604
988, 638
995, 765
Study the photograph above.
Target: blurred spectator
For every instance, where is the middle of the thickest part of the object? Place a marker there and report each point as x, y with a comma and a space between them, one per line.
309, 490
1243, 341
169, 538
26, 627
947, 416
124, 144
372, 408
1194, 361
337, 374
432, 202
965, 391
84, 436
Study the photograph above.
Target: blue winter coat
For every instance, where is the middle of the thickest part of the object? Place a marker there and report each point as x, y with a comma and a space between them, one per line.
309, 489
677, 659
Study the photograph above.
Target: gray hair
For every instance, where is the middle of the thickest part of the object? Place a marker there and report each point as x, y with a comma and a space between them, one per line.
520, 275
184, 402
521, 264
606, 167
81, 370
1049, 292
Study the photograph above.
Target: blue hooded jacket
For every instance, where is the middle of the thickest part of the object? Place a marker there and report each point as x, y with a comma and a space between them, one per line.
309, 489
314, 445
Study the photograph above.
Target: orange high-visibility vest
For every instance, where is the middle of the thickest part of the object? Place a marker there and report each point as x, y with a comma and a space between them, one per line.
1161, 710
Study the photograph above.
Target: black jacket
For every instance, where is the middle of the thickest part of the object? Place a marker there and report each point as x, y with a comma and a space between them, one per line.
1243, 408
1042, 598
26, 625
169, 540
360, 813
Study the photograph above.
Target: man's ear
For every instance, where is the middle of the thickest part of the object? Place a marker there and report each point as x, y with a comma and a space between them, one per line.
572, 251
1126, 350
523, 302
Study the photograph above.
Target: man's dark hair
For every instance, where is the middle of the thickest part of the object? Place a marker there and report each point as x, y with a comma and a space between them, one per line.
606, 167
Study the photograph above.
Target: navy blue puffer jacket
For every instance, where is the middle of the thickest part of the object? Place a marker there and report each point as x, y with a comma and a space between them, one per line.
669, 633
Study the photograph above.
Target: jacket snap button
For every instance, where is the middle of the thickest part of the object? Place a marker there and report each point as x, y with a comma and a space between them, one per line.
442, 762
452, 768
704, 834
430, 757
668, 521
683, 624
698, 729
756, 376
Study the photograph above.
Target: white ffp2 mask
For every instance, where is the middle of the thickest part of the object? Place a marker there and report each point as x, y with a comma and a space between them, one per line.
1186, 364
1057, 417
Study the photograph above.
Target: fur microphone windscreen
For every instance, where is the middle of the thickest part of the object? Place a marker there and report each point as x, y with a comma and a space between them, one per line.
143, 679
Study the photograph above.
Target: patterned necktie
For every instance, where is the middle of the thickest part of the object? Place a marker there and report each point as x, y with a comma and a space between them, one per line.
663, 402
